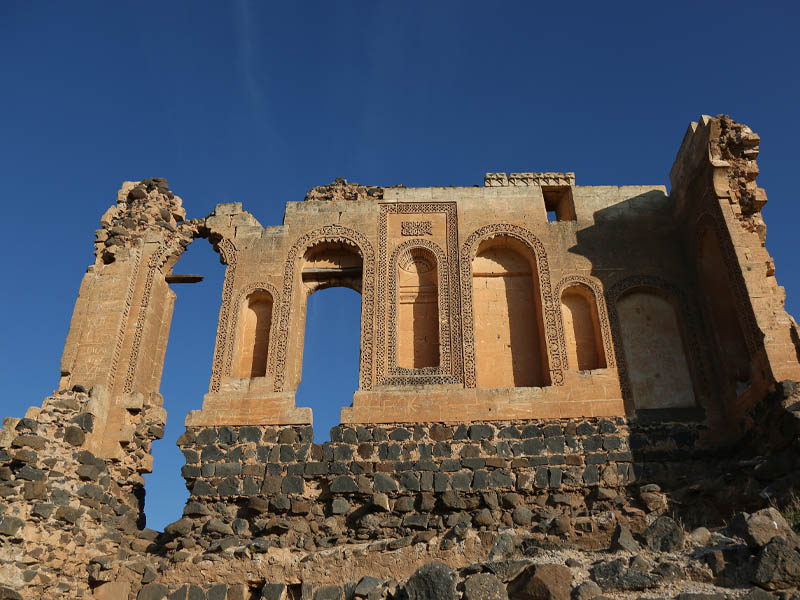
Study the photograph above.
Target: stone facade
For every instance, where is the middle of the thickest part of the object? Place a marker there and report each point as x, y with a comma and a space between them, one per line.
542, 364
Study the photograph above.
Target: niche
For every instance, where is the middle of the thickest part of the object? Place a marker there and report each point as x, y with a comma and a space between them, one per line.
417, 310
558, 203
719, 302
582, 329
256, 320
509, 341
658, 370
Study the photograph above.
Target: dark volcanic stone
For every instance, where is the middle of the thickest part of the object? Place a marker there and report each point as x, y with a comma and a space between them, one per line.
432, 581
777, 566
664, 535
484, 586
615, 575
542, 582
153, 591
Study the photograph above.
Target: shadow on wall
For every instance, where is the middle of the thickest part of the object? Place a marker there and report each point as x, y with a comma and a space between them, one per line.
187, 370
677, 437
331, 354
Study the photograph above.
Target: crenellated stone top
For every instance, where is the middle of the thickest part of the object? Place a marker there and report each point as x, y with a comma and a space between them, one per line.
527, 179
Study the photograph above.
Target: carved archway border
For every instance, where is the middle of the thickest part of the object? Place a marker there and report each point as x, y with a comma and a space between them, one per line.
552, 321
229, 255
156, 263
329, 233
430, 375
257, 286
596, 288
744, 309
451, 265
688, 320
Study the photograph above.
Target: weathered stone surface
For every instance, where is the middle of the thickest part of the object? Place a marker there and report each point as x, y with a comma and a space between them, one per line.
777, 566
615, 575
484, 586
586, 591
664, 535
432, 580
542, 582
623, 540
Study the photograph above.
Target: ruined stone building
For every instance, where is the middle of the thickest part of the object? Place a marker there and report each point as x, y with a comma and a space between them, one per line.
530, 347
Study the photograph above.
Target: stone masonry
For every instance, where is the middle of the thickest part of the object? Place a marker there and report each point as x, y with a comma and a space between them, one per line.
564, 392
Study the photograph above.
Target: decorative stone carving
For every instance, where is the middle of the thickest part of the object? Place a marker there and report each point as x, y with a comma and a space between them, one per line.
416, 228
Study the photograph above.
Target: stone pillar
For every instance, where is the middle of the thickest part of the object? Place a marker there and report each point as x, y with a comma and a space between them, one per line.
117, 336
714, 190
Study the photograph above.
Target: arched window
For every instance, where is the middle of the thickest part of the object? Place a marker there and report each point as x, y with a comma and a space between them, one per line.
582, 329
510, 349
254, 331
658, 369
417, 310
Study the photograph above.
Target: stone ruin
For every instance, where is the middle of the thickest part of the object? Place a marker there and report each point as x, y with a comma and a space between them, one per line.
558, 386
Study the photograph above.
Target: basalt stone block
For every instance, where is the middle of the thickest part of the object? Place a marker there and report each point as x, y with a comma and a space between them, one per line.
596, 458
555, 444
400, 434
585, 429
343, 484
218, 591
383, 483
462, 480
426, 465
533, 446
555, 477
607, 426
294, 469
522, 516
85, 421
211, 453
191, 456
433, 580
426, 481
286, 453
153, 591
227, 469
202, 488
280, 504
207, 469
31, 441
541, 478
480, 480
74, 435
249, 434
273, 591
481, 432
230, 486
593, 443
664, 535
69, 514
10, 525
293, 484
409, 481
29, 473
227, 435
450, 464
416, 521
440, 482
500, 478
473, 463
340, 506
509, 432
612, 442
440, 433
43, 510
621, 456
442, 449
349, 436
389, 452
551, 430
207, 436
338, 468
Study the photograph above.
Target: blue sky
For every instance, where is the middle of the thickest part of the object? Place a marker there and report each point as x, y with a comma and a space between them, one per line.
257, 102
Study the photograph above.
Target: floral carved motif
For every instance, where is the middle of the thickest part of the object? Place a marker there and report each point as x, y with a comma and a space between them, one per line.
229, 256
450, 366
126, 309
328, 233
416, 228
443, 296
599, 297
552, 319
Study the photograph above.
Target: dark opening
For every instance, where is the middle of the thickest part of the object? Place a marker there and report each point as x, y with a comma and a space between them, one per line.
558, 201
187, 370
331, 353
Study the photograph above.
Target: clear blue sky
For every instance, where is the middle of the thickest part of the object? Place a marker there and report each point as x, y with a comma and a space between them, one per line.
257, 102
